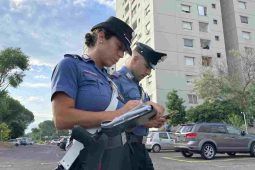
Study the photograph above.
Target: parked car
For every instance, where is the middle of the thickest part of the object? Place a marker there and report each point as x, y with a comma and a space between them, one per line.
208, 139
157, 141
25, 141
63, 143
55, 142
14, 142
29, 141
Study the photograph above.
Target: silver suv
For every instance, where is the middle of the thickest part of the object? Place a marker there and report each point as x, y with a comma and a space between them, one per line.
208, 139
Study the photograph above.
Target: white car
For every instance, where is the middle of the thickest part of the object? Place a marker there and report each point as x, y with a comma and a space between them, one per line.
14, 142
157, 141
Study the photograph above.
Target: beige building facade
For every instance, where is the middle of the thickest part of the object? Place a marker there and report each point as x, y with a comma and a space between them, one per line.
189, 31
238, 18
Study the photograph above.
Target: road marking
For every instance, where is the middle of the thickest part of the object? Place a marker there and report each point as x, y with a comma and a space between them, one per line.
205, 161
181, 160
48, 163
5, 166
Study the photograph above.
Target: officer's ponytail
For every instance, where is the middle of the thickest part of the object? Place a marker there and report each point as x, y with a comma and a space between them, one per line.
91, 38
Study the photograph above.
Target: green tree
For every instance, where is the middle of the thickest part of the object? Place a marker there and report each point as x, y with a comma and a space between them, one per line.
4, 132
235, 87
47, 128
175, 108
15, 115
216, 111
13, 63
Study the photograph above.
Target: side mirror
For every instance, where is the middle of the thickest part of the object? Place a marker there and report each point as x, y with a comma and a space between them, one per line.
243, 133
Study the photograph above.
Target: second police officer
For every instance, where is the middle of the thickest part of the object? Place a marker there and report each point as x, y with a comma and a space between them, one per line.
138, 66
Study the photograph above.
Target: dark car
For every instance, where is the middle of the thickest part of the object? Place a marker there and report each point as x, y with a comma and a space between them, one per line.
63, 142
208, 139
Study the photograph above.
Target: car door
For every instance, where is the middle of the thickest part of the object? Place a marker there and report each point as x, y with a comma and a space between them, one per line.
237, 142
163, 140
171, 141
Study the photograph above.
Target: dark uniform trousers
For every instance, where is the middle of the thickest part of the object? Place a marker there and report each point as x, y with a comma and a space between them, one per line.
139, 156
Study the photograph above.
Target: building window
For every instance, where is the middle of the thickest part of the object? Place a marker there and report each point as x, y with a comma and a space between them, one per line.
187, 25
203, 27
147, 10
218, 55
148, 80
213, 5
147, 28
127, 8
202, 11
217, 38
244, 19
215, 21
133, 12
249, 50
242, 4
134, 25
148, 41
185, 8
189, 61
205, 44
206, 61
188, 42
127, 21
192, 98
189, 79
246, 35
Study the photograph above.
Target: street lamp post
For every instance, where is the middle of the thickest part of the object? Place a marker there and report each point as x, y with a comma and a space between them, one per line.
245, 122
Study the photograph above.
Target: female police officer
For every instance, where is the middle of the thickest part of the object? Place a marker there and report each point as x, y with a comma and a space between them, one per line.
81, 90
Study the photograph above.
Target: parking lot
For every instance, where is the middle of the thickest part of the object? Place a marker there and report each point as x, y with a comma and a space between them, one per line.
170, 160
45, 157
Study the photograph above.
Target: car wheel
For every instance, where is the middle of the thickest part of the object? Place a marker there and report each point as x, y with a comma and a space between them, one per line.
252, 152
231, 153
208, 151
156, 148
187, 154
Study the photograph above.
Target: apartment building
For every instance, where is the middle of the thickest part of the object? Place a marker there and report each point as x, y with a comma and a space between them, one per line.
238, 18
190, 32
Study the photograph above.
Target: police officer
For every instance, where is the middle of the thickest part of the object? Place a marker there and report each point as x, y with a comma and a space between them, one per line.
82, 92
143, 59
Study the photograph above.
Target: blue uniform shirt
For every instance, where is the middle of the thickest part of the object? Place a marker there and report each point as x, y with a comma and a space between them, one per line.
130, 90
82, 81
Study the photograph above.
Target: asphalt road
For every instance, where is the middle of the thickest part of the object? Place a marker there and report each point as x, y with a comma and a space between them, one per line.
45, 157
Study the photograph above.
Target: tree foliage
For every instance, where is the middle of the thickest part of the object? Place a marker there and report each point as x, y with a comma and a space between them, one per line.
15, 115
216, 111
237, 87
13, 63
175, 108
47, 130
4, 132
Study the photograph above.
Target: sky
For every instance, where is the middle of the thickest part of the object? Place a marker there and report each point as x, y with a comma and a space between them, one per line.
45, 30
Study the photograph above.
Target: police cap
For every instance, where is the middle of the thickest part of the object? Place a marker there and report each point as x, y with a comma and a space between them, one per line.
119, 28
151, 56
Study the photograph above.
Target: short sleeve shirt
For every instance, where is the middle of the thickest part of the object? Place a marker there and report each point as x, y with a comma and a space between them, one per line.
84, 82
130, 90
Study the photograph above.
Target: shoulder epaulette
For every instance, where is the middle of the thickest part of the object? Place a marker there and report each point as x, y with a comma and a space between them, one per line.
75, 56
116, 74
